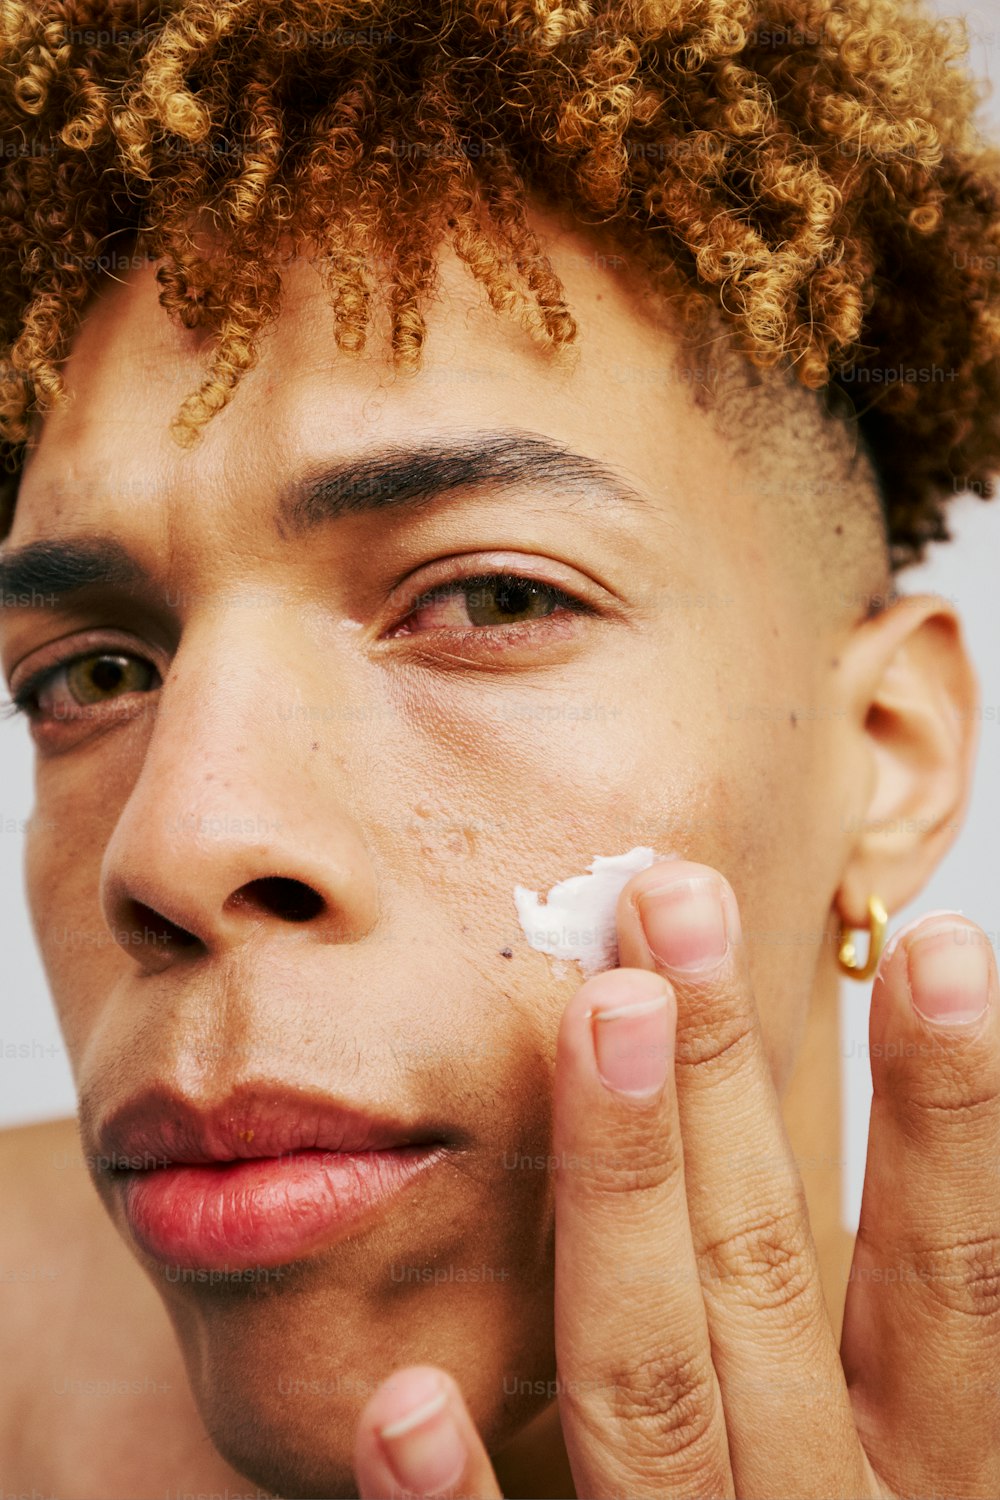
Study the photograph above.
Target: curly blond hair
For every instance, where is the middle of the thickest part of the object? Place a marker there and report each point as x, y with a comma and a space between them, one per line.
812, 170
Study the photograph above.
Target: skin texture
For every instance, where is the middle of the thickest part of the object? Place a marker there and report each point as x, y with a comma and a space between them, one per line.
708, 708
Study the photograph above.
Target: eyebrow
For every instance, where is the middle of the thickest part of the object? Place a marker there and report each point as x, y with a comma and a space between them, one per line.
45, 572
394, 476
391, 477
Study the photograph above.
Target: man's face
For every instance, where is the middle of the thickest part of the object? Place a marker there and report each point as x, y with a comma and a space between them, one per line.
287, 854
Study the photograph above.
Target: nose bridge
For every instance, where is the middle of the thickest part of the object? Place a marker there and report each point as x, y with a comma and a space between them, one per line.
233, 817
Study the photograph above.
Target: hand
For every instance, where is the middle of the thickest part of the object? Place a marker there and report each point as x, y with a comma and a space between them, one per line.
694, 1351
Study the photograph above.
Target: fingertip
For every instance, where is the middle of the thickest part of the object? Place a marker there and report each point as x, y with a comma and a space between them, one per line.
663, 875
625, 997
942, 967
901, 933
951, 973
402, 1392
684, 918
616, 987
410, 1435
609, 990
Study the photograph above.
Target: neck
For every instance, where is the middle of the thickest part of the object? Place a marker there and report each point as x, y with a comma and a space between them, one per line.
812, 1112
535, 1464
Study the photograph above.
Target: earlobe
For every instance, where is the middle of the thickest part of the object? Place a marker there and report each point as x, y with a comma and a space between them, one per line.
916, 707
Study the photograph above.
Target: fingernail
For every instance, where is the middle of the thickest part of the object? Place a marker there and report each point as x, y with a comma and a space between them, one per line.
901, 932
685, 924
949, 972
423, 1444
633, 1045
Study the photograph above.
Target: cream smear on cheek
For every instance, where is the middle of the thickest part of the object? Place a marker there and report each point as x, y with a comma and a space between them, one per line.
577, 919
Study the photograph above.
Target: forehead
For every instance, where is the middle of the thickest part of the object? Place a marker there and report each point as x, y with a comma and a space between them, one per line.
621, 394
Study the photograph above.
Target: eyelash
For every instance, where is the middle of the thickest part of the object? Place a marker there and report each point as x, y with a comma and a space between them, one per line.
24, 700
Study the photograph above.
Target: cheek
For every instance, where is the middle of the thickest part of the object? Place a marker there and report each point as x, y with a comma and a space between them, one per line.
750, 816
531, 801
74, 816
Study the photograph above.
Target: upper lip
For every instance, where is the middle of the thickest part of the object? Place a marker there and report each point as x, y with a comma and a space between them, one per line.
162, 1126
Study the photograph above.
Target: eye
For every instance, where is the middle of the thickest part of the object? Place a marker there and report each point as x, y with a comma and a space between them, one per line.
70, 689
488, 600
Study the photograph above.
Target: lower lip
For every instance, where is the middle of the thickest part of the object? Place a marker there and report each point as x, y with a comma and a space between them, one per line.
265, 1211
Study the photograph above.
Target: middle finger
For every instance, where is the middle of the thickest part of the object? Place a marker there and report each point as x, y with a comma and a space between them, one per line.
788, 1412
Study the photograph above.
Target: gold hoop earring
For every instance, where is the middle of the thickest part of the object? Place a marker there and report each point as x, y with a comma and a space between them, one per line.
878, 917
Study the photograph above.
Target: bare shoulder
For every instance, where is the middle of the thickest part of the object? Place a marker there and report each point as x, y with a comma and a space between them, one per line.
30, 1153
22, 1146
52, 1241
86, 1348
49, 1210
54, 1233
59, 1251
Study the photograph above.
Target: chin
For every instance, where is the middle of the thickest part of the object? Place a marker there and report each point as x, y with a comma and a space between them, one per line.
282, 1369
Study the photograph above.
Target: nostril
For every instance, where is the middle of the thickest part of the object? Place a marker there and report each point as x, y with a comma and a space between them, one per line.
289, 899
145, 926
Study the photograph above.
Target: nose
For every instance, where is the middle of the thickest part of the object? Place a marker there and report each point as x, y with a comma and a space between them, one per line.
233, 823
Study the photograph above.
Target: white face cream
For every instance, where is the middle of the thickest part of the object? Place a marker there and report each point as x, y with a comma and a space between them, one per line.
577, 919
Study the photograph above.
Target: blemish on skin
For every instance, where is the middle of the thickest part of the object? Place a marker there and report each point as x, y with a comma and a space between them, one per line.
506, 953
793, 719
440, 840
835, 662
248, 1136
838, 530
314, 745
576, 920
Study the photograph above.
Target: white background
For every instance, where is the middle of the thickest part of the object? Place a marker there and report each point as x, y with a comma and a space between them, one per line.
35, 1081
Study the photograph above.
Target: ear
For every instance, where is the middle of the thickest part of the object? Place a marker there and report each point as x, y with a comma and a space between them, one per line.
913, 719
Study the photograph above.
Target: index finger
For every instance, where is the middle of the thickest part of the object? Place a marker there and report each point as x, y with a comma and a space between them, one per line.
639, 1399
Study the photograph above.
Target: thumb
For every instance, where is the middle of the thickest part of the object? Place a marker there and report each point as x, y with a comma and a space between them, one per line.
415, 1437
